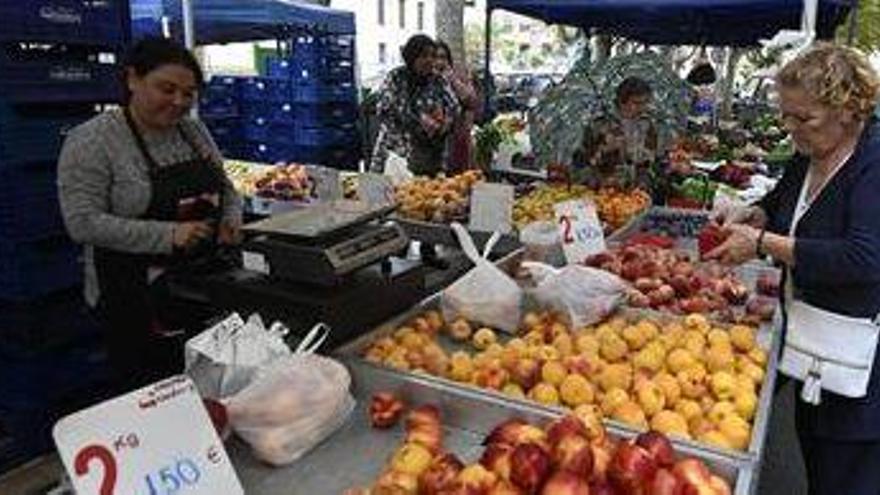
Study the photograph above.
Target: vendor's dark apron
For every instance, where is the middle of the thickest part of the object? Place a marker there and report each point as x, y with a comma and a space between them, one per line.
144, 332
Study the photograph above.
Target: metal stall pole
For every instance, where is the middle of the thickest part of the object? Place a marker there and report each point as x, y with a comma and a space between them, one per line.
189, 38
853, 24
488, 85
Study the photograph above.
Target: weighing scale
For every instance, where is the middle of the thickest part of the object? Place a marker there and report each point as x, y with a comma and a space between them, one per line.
324, 243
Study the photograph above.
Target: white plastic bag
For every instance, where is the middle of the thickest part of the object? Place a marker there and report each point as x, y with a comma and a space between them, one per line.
292, 405
485, 295
542, 243
224, 359
397, 169
581, 295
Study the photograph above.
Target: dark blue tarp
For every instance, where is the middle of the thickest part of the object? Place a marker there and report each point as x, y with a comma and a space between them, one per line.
227, 21
682, 22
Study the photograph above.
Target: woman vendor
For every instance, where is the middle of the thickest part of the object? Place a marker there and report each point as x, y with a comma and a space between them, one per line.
143, 188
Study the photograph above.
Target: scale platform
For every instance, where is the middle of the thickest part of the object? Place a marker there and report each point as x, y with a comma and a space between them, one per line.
322, 244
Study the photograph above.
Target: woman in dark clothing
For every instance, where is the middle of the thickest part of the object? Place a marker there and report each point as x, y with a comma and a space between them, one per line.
143, 189
416, 111
822, 223
461, 83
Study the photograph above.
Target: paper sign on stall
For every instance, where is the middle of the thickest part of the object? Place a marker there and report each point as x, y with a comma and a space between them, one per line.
375, 189
580, 230
328, 186
491, 208
152, 441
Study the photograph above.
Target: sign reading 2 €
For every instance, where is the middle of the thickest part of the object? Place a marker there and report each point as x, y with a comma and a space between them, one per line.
158, 440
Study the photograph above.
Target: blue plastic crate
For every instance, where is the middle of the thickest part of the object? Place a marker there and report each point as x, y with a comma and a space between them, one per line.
268, 152
41, 73
266, 89
313, 115
33, 269
219, 87
29, 206
326, 136
346, 157
325, 93
101, 22
29, 135
312, 71
328, 47
58, 320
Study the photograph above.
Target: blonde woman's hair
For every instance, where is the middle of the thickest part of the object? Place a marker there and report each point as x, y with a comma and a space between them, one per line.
840, 77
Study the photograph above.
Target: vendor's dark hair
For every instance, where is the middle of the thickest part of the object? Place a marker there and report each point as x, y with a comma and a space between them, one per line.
151, 53
447, 53
632, 87
414, 47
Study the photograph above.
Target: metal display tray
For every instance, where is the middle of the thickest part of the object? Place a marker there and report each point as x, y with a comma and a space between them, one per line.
355, 455
767, 339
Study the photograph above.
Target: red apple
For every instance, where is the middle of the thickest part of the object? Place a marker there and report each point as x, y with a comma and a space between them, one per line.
440, 475
665, 483
563, 427
530, 466
659, 446
602, 455
721, 487
574, 454
694, 477
565, 483
632, 469
599, 487
681, 284
497, 458
516, 432
505, 488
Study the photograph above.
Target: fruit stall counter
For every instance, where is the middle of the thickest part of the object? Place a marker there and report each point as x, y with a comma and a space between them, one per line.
359, 456
706, 385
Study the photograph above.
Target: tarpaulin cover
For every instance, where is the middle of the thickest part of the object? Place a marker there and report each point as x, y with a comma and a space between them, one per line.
227, 21
682, 22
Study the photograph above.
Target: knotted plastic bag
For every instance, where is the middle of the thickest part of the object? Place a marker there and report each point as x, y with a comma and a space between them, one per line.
583, 296
293, 404
485, 295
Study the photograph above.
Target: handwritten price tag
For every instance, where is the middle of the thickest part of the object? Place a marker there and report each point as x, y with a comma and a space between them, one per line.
491, 208
580, 230
327, 184
375, 189
157, 440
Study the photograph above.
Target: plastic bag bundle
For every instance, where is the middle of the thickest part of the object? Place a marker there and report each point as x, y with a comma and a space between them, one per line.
292, 405
582, 295
485, 295
224, 359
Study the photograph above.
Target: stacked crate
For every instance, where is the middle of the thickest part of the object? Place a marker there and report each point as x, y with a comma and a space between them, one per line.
305, 109
58, 62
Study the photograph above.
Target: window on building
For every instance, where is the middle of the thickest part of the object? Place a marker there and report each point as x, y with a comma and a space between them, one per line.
381, 12
402, 9
421, 16
383, 54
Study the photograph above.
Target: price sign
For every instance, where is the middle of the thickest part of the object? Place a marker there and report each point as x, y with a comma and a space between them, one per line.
491, 208
157, 440
375, 189
327, 184
580, 230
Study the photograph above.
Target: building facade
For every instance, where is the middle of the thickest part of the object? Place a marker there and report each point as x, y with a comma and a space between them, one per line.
383, 26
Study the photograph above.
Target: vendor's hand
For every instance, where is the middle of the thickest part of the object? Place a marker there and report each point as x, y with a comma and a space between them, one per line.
188, 234
740, 246
229, 233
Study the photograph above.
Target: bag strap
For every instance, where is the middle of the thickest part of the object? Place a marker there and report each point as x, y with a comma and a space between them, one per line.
490, 244
467, 242
313, 340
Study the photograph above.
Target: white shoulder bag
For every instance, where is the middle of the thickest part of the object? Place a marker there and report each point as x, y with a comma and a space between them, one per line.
828, 351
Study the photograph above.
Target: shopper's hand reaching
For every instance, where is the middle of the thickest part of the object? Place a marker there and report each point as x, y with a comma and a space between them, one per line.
188, 234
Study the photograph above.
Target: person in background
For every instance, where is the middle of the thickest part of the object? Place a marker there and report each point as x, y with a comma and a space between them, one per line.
617, 147
143, 188
416, 111
822, 224
460, 154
